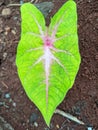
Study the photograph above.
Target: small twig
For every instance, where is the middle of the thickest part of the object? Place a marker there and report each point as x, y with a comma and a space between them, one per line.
34, 1
4, 84
67, 115
10, 5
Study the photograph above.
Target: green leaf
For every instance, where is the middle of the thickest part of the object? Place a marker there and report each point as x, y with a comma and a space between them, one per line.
48, 59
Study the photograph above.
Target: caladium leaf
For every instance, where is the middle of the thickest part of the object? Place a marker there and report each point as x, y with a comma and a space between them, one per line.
48, 58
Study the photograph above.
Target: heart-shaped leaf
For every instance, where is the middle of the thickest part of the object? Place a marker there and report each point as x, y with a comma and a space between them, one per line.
48, 58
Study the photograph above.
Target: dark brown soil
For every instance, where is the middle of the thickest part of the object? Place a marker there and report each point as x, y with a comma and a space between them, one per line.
81, 101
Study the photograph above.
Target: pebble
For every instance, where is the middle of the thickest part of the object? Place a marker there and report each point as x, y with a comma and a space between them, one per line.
57, 126
10, 100
7, 29
6, 33
13, 31
35, 124
21, 2
15, 17
4, 55
6, 12
33, 118
89, 128
14, 104
7, 95
2, 104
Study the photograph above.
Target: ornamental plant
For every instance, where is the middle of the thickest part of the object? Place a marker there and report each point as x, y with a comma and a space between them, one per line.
48, 58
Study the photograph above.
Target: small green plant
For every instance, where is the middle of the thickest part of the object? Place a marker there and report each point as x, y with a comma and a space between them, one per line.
48, 58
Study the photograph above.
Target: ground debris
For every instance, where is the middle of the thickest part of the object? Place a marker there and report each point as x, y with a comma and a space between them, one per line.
67, 115
4, 125
33, 118
6, 12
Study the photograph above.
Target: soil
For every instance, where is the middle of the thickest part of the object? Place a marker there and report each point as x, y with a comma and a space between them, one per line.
81, 101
